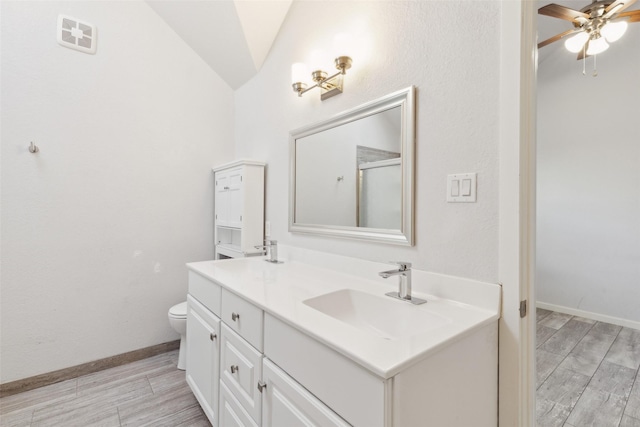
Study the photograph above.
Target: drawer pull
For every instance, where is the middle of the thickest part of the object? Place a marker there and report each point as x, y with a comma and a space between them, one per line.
235, 316
234, 369
261, 386
212, 336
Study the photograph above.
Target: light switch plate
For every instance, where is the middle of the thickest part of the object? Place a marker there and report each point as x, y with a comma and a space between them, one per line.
461, 188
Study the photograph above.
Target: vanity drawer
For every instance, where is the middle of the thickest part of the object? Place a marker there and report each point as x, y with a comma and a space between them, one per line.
231, 412
240, 371
206, 292
351, 391
243, 317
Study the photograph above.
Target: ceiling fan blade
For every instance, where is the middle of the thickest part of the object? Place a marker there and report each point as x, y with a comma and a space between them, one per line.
555, 38
634, 16
561, 12
616, 7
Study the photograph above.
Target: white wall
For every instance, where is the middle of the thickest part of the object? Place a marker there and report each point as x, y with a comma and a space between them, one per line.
97, 227
588, 250
457, 80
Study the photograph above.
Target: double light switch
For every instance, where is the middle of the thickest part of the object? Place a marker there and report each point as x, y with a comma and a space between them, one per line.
461, 188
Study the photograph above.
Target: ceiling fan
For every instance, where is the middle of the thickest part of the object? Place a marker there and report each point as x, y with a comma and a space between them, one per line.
593, 25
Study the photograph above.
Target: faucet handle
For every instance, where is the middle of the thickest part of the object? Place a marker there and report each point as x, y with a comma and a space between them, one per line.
267, 243
402, 264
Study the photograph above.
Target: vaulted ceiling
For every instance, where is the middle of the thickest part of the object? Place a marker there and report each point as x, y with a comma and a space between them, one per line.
232, 36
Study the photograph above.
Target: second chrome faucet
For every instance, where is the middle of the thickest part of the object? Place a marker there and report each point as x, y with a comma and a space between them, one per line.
404, 283
272, 246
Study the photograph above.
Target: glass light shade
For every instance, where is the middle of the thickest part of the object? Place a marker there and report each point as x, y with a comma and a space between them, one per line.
319, 60
299, 73
614, 30
576, 43
597, 46
342, 45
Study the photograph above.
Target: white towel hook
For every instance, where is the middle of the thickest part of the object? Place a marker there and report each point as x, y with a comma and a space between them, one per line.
33, 148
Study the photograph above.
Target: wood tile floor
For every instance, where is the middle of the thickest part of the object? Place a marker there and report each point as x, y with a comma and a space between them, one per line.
587, 372
587, 375
149, 392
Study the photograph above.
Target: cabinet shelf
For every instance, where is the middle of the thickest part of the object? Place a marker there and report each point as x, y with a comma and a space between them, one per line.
228, 227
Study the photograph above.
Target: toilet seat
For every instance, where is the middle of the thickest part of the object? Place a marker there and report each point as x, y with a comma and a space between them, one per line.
179, 311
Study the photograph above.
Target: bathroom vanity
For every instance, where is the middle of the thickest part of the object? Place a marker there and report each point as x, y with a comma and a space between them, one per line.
310, 342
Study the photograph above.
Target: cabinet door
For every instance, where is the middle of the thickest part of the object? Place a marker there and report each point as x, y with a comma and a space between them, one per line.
235, 198
287, 403
203, 353
222, 198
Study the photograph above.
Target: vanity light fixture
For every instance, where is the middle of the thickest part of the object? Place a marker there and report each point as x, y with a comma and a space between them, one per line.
329, 86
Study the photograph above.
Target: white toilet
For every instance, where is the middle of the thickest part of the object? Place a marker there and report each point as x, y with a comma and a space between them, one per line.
178, 321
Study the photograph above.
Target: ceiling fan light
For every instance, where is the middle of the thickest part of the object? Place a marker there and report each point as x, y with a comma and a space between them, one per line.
614, 30
574, 44
597, 46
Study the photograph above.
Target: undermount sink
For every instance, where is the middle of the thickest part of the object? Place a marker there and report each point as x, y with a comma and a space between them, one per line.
382, 316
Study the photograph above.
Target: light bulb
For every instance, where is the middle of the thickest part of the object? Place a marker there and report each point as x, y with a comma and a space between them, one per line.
319, 60
576, 43
614, 30
597, 46
343, 45
299, 73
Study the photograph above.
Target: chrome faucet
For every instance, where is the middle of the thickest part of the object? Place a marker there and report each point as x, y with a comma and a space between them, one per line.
404, 283
272, 246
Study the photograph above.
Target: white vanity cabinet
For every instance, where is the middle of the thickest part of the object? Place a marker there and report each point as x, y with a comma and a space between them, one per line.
359, 396
239, 208
274, 373
203, 349
229, 348
287, 403
231, 412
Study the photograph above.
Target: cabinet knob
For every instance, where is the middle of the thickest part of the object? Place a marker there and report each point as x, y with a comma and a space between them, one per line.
235, 316
234, 369
261, 386
212, 336
226, 188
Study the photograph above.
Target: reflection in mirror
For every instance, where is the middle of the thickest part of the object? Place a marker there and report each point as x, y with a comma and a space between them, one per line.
380, 202
352, 176
328, 170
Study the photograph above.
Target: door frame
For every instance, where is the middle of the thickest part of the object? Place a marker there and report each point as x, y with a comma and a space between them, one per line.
517, 209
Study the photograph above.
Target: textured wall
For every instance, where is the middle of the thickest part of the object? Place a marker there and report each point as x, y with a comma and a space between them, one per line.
97, 227
398, 44
588, 250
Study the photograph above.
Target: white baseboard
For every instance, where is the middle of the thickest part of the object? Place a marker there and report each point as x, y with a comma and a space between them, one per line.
589, 315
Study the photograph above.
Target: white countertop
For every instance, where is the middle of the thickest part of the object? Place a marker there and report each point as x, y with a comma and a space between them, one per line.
280, 289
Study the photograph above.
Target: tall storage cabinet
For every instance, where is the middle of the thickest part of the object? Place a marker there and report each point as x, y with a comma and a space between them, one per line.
239, 208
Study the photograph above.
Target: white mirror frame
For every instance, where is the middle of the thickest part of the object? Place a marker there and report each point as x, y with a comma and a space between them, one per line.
405, 99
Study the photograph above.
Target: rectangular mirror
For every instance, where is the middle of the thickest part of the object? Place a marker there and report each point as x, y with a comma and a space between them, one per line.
352, 175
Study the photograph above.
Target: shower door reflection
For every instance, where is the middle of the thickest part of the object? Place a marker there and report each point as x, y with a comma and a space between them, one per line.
379, 201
